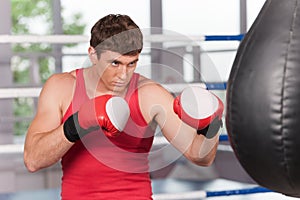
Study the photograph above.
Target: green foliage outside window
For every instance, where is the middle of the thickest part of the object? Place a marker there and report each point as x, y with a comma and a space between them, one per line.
26, 14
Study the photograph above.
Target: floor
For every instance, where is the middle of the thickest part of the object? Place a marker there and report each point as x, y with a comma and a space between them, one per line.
171, 187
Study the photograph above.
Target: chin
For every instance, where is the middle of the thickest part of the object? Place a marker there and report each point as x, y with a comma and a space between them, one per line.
118, 89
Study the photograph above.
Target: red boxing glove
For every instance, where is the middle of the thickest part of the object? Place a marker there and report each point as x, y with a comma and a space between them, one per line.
199, 108
108, 112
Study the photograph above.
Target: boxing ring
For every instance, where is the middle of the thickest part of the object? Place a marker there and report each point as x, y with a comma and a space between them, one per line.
194, 189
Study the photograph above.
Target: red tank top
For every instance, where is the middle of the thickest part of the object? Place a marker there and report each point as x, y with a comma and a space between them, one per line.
97, 167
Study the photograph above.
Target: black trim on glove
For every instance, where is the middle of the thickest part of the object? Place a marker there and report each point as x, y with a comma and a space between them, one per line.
72, 129
212, 129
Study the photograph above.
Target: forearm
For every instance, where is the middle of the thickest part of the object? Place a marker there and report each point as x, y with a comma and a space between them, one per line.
203, 150
44, 149
203, 111
195, 147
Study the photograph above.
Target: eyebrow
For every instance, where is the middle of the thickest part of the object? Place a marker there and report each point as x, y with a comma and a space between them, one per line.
116, 60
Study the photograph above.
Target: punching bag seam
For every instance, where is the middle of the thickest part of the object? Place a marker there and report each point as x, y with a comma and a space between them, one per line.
241, 50
285, 165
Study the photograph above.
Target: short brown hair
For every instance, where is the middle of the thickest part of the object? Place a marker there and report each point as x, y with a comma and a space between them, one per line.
117, 33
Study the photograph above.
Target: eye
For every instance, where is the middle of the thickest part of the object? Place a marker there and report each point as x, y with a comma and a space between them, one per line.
115, 63
132, 64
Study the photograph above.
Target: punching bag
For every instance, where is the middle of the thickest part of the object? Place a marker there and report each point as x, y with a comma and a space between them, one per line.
263, 98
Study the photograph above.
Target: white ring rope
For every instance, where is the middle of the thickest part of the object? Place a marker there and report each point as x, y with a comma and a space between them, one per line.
185, 195
6, 93
57, 39
65, 39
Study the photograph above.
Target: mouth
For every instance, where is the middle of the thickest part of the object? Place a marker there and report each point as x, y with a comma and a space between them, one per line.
119, 84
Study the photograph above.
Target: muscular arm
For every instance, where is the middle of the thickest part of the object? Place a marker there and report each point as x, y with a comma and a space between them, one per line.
196, 148
45, 142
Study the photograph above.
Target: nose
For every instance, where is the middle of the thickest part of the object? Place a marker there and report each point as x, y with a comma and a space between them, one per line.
122, 71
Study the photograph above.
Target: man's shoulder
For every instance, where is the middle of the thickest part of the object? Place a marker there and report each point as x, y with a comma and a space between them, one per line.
59, 88
150, 86
59, 83
146, 83
59, 78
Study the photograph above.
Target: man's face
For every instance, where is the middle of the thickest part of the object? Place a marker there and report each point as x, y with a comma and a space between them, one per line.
115, 70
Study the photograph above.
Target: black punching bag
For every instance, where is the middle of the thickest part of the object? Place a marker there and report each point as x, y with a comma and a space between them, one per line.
263, 98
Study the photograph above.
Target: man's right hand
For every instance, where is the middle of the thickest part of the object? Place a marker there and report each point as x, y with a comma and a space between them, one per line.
107, 112
200, 109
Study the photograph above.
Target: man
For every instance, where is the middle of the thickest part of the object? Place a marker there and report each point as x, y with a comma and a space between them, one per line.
100, 121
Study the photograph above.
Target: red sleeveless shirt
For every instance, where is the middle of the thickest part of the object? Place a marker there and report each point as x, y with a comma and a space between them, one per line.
98, 167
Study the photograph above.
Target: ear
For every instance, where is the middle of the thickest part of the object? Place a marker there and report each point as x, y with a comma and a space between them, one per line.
92, 55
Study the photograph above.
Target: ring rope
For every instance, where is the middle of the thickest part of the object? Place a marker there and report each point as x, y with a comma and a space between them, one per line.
65, 39
6, 93
205, 194
158, 141
223, 138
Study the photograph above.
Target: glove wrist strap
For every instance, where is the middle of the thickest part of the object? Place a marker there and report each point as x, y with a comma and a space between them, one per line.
212, 129
73, 131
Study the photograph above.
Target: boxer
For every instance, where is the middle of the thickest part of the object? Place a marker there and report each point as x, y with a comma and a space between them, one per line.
99, 121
